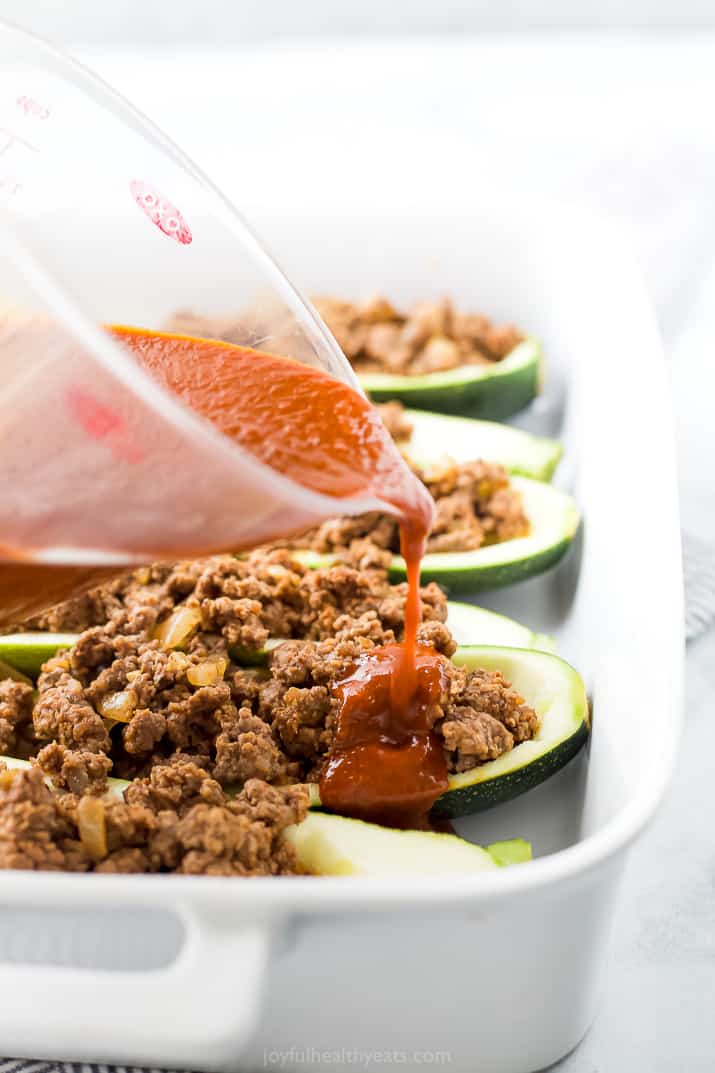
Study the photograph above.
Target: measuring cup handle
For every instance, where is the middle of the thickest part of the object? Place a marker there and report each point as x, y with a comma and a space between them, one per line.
195, 1013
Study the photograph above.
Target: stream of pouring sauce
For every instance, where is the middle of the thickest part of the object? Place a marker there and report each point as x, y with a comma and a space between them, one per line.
386, 764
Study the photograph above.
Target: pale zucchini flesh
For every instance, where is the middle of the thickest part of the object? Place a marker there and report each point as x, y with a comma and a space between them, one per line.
332, 845
462, 439
470, 625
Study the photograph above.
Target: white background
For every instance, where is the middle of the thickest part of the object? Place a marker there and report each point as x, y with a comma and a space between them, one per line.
239, 20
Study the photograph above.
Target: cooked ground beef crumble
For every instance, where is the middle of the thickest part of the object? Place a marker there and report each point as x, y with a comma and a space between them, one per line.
374, 336
475, 506
154, 691
16, 731
430, 337
395, 420
178, 819
246, 600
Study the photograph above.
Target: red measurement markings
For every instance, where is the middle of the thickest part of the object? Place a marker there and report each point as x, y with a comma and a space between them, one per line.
162, 212
101, 422
32, 107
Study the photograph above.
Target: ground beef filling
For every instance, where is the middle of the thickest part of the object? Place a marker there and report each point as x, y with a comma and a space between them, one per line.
177, 820
273, 723
476, 506
240, 601
157, 693
395, 420
430, 337
374, 336
16, 730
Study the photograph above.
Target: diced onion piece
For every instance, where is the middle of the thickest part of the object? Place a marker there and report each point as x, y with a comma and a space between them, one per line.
277, 571
207, 672
119, 707
92, 825
178, 662
175, 630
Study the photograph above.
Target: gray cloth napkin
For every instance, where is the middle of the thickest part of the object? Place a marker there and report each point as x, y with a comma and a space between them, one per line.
28, 1065
699, 580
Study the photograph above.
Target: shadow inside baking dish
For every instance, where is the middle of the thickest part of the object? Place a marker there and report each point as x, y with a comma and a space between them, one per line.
123, 940
550, 815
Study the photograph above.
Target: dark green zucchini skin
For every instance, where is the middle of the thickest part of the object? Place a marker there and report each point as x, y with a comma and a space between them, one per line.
495, 576
467, 800
29, 658
492, 398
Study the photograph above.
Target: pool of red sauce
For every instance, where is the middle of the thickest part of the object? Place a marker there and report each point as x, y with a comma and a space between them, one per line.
386, 764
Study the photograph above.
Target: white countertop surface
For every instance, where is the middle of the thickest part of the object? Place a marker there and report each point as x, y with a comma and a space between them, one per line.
624, 125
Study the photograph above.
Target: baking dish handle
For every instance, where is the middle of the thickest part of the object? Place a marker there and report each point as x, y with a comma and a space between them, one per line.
196, 1012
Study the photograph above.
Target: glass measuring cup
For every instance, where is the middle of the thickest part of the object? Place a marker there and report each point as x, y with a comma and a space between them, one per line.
103, 220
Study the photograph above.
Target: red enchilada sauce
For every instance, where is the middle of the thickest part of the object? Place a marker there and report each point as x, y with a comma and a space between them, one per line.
386, 765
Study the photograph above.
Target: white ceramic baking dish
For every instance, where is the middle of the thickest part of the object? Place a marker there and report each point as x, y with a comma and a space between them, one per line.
500, 972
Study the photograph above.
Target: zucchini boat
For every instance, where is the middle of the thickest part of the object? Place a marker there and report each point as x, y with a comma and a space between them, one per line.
336, 846
24, 653
554, 520
557, 694
464, 440
493, 391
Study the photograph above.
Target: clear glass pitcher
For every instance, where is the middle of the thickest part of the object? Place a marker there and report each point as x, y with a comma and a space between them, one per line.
102, 219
